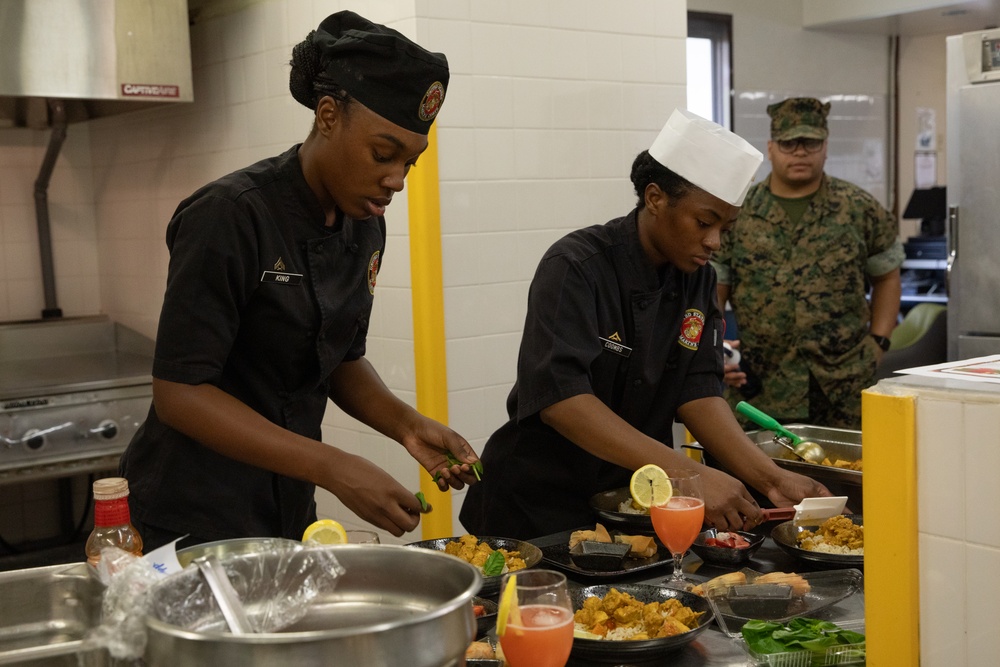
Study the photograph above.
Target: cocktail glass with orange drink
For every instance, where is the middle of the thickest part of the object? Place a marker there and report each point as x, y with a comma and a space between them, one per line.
678, 520
535, 619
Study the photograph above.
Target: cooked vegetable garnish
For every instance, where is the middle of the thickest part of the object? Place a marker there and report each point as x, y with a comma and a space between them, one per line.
808, 634
477, 467
425, 506
494, 564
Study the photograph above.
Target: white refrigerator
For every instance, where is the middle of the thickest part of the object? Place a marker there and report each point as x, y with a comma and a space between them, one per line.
973, 127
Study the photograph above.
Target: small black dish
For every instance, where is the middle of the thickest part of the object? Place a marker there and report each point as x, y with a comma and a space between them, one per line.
760, 600
724, 555
599, 555
485, 622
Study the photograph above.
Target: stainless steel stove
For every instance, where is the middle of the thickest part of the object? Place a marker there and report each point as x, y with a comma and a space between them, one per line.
73, 391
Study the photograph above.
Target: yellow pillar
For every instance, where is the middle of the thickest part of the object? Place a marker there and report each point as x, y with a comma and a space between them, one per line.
892, 575
428, 318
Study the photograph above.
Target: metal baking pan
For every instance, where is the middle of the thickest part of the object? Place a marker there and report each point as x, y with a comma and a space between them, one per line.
46, 615
839, 444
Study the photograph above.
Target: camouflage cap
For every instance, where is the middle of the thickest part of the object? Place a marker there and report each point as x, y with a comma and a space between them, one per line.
798, 117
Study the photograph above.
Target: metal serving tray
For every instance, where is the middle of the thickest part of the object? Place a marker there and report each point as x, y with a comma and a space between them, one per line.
839, 444
45, 615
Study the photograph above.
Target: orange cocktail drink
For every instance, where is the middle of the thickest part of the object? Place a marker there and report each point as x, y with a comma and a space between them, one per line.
678, 522
535, 619
543, 638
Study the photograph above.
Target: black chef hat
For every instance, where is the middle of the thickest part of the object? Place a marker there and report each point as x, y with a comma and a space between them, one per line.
394, 77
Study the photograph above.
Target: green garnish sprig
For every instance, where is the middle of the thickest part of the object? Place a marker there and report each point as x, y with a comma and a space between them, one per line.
494, 564
477, 467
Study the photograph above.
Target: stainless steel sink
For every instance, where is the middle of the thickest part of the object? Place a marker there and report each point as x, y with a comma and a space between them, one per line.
45, 614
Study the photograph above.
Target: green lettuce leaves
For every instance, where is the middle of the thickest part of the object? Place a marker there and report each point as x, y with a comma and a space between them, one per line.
800, 634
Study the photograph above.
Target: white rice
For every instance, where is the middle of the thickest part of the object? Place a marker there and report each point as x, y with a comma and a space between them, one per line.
618, 634
819, 544
626, 507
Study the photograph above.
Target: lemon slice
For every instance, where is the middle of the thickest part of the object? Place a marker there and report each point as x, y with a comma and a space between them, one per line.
325, 531
650, 486
583, 634
508, 609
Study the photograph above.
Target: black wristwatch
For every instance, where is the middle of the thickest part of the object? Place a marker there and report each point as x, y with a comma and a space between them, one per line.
882, 341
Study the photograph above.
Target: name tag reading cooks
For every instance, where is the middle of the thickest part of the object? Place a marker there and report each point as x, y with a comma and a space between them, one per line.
281, 278
617, 348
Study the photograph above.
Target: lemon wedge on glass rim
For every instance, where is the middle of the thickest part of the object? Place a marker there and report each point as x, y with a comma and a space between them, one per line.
508, 609
650, 486
325, 531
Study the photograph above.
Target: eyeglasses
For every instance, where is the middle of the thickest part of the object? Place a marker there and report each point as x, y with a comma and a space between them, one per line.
792, 145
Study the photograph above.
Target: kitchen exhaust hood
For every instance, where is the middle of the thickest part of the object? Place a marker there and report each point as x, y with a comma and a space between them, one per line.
101, 57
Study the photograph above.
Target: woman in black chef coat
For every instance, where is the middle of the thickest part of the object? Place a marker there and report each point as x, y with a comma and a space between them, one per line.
269, 292
622, 335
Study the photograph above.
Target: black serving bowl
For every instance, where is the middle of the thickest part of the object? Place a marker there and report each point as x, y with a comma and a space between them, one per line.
785, 536
531, 555
724, 556
638, 651
485, 622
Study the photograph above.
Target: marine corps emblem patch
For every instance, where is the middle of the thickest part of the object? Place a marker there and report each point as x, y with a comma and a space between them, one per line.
432, 101
691, 327
372, 272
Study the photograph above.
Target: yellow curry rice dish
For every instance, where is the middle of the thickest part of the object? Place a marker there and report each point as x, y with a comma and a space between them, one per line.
471, 550
836, 535
619, 616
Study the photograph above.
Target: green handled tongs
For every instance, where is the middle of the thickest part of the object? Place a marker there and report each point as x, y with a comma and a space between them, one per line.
806, 450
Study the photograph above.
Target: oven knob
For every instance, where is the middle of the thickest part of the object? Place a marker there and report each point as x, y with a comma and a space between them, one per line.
107, 428
33, 439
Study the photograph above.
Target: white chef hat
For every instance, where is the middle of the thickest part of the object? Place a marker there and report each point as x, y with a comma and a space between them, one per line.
710, 156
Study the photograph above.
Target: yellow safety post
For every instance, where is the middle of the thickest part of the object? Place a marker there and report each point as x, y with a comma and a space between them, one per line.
428, 318
692, 453
892, 574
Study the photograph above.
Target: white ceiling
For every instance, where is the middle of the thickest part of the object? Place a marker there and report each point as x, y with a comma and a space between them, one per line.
953, 19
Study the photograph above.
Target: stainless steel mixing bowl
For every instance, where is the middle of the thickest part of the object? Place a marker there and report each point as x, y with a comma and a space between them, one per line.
393, 606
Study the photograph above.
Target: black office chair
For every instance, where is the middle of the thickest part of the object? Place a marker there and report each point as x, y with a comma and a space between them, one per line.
921, 339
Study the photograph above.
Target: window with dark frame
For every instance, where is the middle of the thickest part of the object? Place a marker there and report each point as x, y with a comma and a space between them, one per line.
710, 66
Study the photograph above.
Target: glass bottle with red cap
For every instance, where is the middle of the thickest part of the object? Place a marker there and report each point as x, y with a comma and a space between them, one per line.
112, 522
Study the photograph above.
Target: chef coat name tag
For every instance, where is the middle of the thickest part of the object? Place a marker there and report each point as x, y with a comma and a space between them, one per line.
281, 278
617, 348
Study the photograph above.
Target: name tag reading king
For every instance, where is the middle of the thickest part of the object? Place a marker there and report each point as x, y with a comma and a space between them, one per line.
617, 348
281, 278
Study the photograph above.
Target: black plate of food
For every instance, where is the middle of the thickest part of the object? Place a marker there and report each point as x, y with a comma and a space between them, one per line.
726, 556
556, 553
618, 651
786, 536
528, 552
614, 509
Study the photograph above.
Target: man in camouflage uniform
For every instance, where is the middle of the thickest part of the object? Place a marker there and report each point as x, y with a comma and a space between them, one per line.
796, 268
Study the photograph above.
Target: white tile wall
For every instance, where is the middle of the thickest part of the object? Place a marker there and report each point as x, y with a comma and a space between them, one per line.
958, 456
943, 613
941, 469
